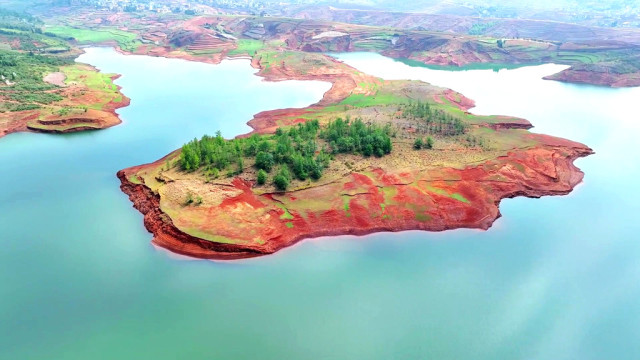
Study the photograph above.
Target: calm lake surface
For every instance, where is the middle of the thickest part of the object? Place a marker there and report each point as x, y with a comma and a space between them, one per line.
555, 278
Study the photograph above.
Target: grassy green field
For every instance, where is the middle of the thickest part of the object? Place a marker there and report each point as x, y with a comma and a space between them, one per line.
126, 40
93, 79
379, 99
247, 47
101, 84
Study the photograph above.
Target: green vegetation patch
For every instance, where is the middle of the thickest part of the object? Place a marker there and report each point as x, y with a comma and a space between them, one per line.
99, 82
346, 200
442, 192
287, 215
293, 152
247, 47
126, 40
24, 73
459, 198
134, 179
361, 100
433, 121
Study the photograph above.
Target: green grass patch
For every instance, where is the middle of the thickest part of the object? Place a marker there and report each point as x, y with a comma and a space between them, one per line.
126, 40
442, 192
26, 73
135, 179
380, 99
287, 215
94, 80
247, 47
346, 200
459, 198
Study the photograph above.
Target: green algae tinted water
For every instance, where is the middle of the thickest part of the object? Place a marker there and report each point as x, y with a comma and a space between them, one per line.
556, 278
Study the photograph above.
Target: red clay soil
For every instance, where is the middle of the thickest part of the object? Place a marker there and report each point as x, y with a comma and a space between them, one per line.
421, 201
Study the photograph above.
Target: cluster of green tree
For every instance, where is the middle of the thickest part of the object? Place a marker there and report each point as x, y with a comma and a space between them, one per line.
292, 150
292, 153
15, 17
190, 200
12, 61
344, 136
24, 75
432, 121
420, 143
31, 98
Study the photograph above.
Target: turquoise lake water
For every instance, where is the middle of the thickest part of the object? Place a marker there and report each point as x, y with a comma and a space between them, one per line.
555, 278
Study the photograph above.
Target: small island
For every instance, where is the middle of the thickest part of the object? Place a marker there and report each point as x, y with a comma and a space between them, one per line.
372, 156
